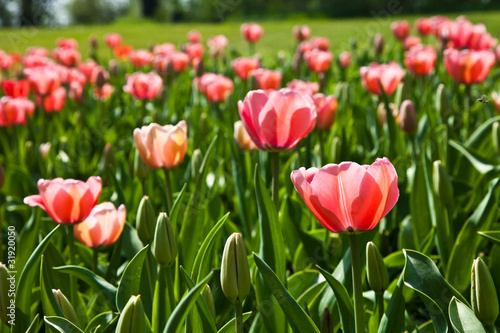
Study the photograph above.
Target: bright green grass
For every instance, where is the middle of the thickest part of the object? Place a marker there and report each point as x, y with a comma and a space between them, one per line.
277, 35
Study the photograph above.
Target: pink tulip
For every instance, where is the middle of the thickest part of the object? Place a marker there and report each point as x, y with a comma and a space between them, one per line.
348, 196
104, 92
480, 39
424, 26
67, 57
74, 75
194, 36
242, 138
113, 39
309, 88
16, 88
277, 120
164, 49
14, 111
420, 60
345, 59
400, 29
468, 66
87, 67
267, 79
251, 32
321, 43
6, 60
141, 58
305, 47
411, 41
67, 201
301, 32
243, 66
194, 50
215, 87
217, 44
387, 75
179, 60
35, 60
52, 102
103, 226
44, 80
143, 86
62, 71
318, 60
76, 92
326, 107
161, 146
67, 43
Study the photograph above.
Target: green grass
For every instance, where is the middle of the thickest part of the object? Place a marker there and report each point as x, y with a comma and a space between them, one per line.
277, 35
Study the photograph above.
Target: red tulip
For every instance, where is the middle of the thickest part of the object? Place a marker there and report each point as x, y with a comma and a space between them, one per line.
411, 41
345, 59
67, 201
420, 60
180, 61
243, 66
424, 26
194, 36
305, 47
141, 58
67, 43
122, 52
194, 50
277, 120
348, 196
143, 86
309, 88
44, 80
318, 60
301, 32
87, 67
113, 39
104, 92
52, 102
103, 226
74, 75
480, 39
321, 43
400, 29
161, 146
67, 57
387, 75
251, 32
13, 111
326, 107
267, 79
468, 66
164, 49
16, 88
216, 87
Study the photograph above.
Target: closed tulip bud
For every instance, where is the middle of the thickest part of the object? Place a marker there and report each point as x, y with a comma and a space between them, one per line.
326, 322
378, 43
209, 299
141, 170
169, 71
483, 293
133, 318
108, 158
93, 42
408, 117
406, 236
378, 277
200, 68
337, 149
102, 77
442, 182
495, 133
145, 222
234, 271
164, 245
443, 104
66, 307
113, 67
6, 305
44, 149
196, 161
2, 176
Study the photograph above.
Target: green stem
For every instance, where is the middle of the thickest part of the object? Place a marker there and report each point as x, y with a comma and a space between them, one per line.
170, 288
467, 110
490, 328
321, 148
72, 252
359, 311
238, 316
276, 172
380, 305
95, 260
251, 47
168, 185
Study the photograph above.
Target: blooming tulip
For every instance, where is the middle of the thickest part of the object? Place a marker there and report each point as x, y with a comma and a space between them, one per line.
143, 86
16, 88
141, 58
301, 32
103, 226
267, 79
277, 120
67, 201
113, 39
194, 36
87, 67
104, 92
345, 59
251, 32
216, 87
309, 88
43, 80
243, 66
122, 52
321, 43
217, 44
67, 43
76, 92
13, 111
194, 50
319, 61
387, 75
52, 102
348, 196
243, 140
179, 60
164, 49
420, 60
67, 57
468, 66
424, 26
161, 146
326, 107
411, 41
400, 29
74, 75
6, 60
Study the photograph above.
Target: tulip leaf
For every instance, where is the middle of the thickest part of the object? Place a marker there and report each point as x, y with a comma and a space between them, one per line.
49, 302
61, 325
26, 281
297, 318
229, 326
131, 279
28, 237
463, 319
97, 283
202, 261
493, 236
394, 316
467, 242
103, 319
35, 325
185, 305
419, 208
343, 300
176, 207
479, 163
301, 281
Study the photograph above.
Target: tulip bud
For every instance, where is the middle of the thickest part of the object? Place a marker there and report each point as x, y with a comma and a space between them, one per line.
145, 221
44, 149
66, 307
406, 236
164, 245
378, 43
93, 42
200, 69
169, 71
495, 134
2, 176
378, 277
108, 158
408, 117
196, 161
443, 104
326, 322
132, 318
234, 271
6, 305
209, 299
113, 67
141, 170
442, 182
337, 149
483, 293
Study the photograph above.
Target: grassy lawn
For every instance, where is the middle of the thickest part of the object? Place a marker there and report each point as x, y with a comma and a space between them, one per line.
277, 34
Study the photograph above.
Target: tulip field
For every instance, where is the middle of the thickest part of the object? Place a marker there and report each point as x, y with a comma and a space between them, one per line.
207, 184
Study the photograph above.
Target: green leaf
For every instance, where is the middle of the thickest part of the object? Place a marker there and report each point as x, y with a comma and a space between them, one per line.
479, 163
34, 327
343, 300
419, 207
61, 325
26, 282
394, 316
296, 316
493, 236
103, 319
229, 327
176, 207
49, 302
185, 305
130, 280
96, 282
463, 319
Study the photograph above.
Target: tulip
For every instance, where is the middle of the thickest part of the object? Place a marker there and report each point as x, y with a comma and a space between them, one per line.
44, 80
164, 246
217, 45
400, 29
242, 138
67, 201
13, 111
113, 39
143, 86
468, 66
74, 75
277, 120
67, 43
243, 66
326, 322
251, 32
145, 221
164, 49
345, 59
209, 299
133, 318
35, 60
66, 307
216, 87
99, 76
376, 271
141, 58
387, 75
52, 102
408, 117
424, 26
235, 273
196, 162
103, 93
194, 36
67, 57
267, 79
122, 52
16, 88
420, 60
6, 60
411, 41
301, 32
86, 68
321, 43
76, 92
378, 43
161, 147
318, 60
480, 39
179, 60
483, 294
194, 50
309, 88
326, 107
44, 149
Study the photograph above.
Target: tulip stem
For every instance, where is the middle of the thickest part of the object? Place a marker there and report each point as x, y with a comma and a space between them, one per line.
168, 185
95, 260
238, 317
380, 304
170, 288
359, 310
467, 110
72, 250
321, 148
490, 328
276, 172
